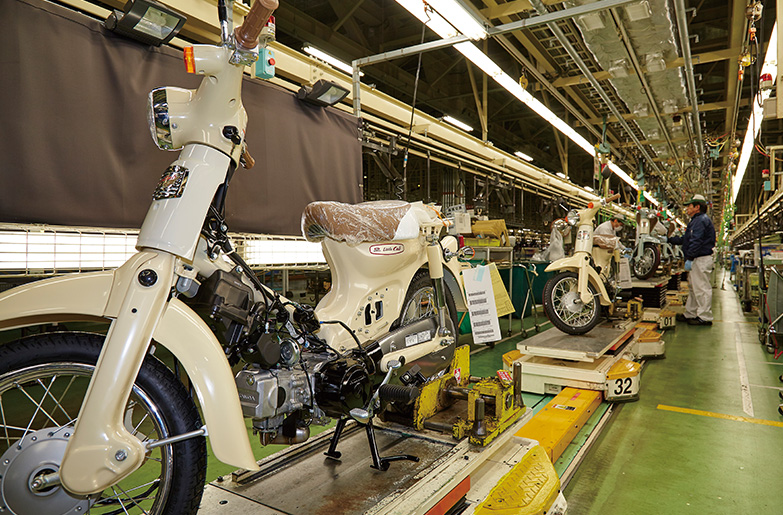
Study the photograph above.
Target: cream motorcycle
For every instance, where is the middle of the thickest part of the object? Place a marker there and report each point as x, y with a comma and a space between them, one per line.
585, 281
98, 424
646, 256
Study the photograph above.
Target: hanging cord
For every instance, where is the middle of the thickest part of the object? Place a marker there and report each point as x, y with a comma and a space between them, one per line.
402, 188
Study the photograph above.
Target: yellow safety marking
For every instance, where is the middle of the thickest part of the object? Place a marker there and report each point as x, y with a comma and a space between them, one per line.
529, 488
720, 415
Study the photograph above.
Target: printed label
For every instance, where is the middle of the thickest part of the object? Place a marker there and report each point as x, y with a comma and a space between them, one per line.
388, 249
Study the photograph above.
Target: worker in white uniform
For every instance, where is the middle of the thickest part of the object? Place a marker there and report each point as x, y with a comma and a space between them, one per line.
697, 245
611, 227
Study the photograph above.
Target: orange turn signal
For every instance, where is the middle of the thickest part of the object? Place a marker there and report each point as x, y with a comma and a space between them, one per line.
190, 61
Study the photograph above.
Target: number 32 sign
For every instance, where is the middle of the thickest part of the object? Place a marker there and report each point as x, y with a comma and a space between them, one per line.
622, 388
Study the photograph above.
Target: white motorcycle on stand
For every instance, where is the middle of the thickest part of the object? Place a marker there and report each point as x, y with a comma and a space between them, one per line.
585, 281
95, 423
646, 256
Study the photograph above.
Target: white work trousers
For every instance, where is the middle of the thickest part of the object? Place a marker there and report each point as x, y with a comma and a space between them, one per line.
699, 302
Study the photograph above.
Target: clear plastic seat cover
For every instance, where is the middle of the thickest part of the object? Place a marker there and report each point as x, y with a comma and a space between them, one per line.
373, 222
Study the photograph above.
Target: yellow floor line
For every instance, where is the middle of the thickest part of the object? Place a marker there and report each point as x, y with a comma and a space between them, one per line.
720, 415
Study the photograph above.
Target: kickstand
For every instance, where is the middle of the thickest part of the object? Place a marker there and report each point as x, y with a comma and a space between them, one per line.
338, 430
378, 462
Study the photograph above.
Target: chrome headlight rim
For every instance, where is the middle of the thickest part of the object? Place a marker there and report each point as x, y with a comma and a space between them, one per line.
158, 119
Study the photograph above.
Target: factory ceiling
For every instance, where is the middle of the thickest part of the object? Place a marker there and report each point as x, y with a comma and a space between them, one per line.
634, 51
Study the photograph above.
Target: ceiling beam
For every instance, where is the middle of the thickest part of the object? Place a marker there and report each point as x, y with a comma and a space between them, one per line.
704, 58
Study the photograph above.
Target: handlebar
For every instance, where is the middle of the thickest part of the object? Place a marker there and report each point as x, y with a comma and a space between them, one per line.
246, 35
612, 198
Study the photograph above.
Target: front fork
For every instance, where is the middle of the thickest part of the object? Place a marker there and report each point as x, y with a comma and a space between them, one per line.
102, 451
435, 259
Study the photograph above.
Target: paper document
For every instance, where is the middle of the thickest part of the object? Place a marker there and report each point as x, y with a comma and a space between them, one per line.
502, 300
481, 304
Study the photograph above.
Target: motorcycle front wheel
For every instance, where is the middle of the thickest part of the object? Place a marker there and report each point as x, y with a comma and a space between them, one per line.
564, 306
43, 380
645, 266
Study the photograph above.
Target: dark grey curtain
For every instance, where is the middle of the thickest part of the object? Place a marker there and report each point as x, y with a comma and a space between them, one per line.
75, 148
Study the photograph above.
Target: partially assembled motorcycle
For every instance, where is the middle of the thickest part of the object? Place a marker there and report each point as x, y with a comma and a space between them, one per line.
646, 256
586, 280
93, 423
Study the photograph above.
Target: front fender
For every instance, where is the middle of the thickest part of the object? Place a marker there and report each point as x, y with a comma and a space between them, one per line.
59, 299
89, 297
580, 263
191, 341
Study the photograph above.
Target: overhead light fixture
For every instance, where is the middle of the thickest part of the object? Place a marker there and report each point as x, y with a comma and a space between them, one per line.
456, 123
770, 66
488, 66
522, 155
329, 59
322, 93
638, 11
146, 21
458, 16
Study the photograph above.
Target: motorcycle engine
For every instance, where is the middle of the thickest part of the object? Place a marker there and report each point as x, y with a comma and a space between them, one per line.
291, 377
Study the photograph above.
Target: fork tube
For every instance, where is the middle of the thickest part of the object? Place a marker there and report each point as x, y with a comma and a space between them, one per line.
436, 274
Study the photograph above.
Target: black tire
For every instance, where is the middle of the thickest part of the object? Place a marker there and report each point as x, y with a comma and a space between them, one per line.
559, 294
159, 407
420, 302
421, 284
645, 267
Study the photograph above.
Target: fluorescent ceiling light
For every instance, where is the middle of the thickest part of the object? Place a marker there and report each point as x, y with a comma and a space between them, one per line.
589, 188
323, 56
757, 116
488, 66
456, 14
456, 123
522, 155
561, 175
430, 18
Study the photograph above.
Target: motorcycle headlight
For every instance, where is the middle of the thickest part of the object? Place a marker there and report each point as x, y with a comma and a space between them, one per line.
167, 114
158, 118
572, 218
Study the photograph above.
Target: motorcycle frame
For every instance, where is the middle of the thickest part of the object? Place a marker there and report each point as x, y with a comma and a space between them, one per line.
102, 451
581, 260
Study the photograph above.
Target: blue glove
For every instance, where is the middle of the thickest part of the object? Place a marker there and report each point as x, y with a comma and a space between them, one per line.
688, 265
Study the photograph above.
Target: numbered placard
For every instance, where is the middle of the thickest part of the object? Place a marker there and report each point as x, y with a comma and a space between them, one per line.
622, 388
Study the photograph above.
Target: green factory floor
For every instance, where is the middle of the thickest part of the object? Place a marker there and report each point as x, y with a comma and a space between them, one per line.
723, 456
692, 443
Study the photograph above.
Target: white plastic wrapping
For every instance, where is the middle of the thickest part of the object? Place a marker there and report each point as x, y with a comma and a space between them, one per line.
378, 221
555, 250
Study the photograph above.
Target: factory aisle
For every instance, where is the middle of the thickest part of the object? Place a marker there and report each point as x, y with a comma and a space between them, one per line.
705, 435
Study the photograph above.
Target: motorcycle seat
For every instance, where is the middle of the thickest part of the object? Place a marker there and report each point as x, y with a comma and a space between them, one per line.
369, 222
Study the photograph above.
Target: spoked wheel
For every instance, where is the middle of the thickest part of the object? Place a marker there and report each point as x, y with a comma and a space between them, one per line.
645, 266
564, 306
421, 302
43, 380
